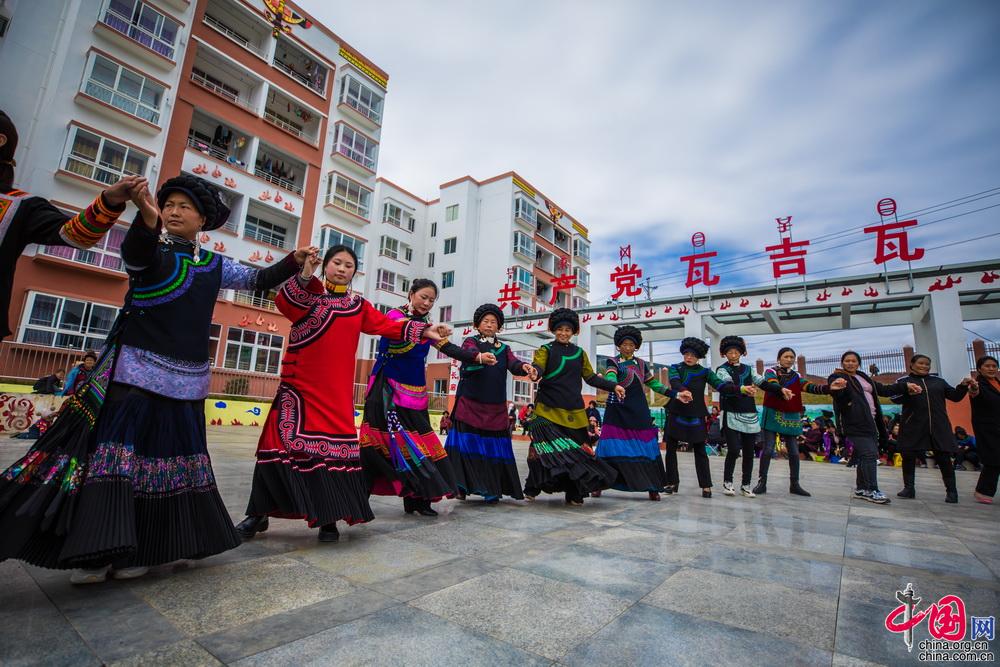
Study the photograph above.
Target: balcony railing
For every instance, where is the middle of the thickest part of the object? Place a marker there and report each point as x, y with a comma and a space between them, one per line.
363, 109
136, 33
356, 156
270, 117
301, 78
346, 204
280, 182
238, 100
129, 105
218, 25
251, 299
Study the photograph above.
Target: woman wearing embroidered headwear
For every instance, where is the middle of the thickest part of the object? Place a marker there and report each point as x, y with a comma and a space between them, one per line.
123, 478
556, 461
25, 218
479, 441
686, 421
629, 440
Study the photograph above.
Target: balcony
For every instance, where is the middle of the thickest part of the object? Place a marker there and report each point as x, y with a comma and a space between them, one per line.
279, 169
525, 213
244, 298
224, 79
143, 26
581, 251
349, 196
361, 101
298, 65
355, 149
561, 239
292, 117
266, 226
212, 136
239, 26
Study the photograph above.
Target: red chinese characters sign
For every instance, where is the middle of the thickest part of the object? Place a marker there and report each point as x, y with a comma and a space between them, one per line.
788, 258
626, 275
509, 293
699, 270
891, 239
564, 282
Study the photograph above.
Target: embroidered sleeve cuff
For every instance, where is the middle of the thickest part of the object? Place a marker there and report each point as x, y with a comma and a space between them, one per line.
88, 226
413, 331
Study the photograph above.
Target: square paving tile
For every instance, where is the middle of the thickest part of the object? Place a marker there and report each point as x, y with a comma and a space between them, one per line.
737, 602
922, 559
663, 547
647, 636
788, 570
461, 537
272, 631
422, 582
377, 558
208, 599
621, 576
400, 636
181, 654
535, 613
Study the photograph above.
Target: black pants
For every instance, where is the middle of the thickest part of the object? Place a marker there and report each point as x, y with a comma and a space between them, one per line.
700, 464
943, 460
770, 440
737, 442
866, 456
987, 484
971, 456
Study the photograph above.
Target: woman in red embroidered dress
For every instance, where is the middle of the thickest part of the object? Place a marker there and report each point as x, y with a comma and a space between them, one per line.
308, 462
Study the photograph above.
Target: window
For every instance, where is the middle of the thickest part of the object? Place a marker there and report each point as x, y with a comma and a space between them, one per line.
361, 98
451, 213
411, 222
389, 247
582, 277
214, 334
392, 213
356, 146
383, 309
99, 159
329, 237
264, 231
143, 24
386, 280
447, 279
404, 285
430, 260
441, 386
450, 245
248, 350
523, 391
581, 249
348, 195
407, 253
523, 278
579, 302
444, 314
562, 240
104, 254
524, 245
57, 321
124, 89
524, 209
434, 229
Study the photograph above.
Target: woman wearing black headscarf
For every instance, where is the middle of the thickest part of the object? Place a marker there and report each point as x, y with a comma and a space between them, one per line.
123, 478
985, 394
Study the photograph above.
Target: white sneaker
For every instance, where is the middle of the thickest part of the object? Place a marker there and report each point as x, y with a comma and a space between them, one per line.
81, 576
877, 497
860, 493
129, 572
727, 488
747, 491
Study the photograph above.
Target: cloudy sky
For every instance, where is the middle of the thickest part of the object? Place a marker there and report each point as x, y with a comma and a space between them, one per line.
649, 121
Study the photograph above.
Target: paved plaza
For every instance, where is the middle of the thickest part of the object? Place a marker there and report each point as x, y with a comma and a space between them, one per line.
775, 580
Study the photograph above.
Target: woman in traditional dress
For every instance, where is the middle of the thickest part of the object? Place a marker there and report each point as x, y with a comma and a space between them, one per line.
308, 458
479, 442
782, 418
629, 440
557, 463
686, 421
123, 478
925, 427
400, 452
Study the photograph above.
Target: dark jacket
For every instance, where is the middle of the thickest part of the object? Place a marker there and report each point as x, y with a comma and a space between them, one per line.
986, 423
850, 407
924, 424
50, 384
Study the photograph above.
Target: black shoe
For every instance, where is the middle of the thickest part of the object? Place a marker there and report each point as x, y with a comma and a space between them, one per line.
706, 494
761, 487
460, 495
951, 496
797, 490
669, 490
252, 525
653, 495
329, 533
424, 508
907, 492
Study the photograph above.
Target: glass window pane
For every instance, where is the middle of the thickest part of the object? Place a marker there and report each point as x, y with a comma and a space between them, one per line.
43, 311
69, 340
72, 315
85, 145
38, 337
130, 84
105, 71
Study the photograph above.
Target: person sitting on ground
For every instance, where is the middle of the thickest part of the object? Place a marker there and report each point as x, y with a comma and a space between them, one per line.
527, 414
966, 449
445, 423
812, 440
592, 411
80, 374
50, 384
